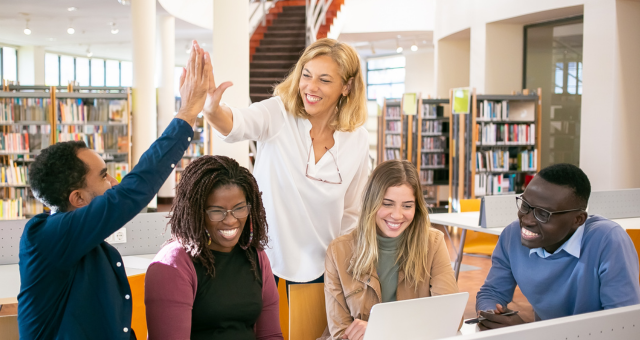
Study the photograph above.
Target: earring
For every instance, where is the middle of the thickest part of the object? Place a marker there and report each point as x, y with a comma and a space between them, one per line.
209, 235
250, 234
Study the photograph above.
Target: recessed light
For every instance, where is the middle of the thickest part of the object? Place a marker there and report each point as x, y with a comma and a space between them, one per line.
72, 9
70, 30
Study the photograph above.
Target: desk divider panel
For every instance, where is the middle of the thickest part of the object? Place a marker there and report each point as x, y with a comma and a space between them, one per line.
617, 323
615, 203
145, 235
498, 211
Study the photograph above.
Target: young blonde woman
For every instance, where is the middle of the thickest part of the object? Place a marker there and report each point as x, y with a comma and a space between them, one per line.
313, 154
393, 254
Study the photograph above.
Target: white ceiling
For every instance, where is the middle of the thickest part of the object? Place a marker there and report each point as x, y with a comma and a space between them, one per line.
49, 20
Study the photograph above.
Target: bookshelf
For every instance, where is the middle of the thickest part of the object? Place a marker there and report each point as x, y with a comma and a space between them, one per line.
496, 148
196, 148
390, 131
432, 148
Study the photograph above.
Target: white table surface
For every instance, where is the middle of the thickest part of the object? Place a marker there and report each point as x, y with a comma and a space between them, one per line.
10, 275
470, 221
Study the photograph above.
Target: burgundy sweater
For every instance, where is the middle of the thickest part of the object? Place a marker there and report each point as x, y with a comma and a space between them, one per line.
170, 288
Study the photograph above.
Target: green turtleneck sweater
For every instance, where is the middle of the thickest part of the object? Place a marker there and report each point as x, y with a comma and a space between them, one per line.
387, 268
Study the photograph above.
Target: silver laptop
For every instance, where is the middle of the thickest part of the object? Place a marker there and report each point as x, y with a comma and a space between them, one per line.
427, 318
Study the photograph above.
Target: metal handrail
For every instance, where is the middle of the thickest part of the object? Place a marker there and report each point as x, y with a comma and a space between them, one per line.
263, 13
316, 17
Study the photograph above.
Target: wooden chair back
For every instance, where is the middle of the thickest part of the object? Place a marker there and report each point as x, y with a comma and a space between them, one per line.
307, 311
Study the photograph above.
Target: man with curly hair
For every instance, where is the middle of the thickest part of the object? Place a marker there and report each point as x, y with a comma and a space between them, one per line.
73, 283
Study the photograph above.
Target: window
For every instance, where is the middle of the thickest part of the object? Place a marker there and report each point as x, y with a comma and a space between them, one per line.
9, 64
126, 74
113, 73
97, 72
385, 77
67, 70
83, 75
51, 69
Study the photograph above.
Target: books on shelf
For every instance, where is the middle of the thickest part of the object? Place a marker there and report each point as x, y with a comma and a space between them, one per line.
393, 112
12, 174
117, 170
506, 134
503, 161
490, 184
91, 110
506, 110
97, 137
430, 127
392, 154
426, 176
528, 160
435, 160
194, 150
14, 142
11, 209
30, 205
393, 141
394, 127
430, 111
13, 110
434, 143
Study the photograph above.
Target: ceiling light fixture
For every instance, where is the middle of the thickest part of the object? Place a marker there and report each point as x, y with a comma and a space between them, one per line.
114, 29
373, 50
72, 9
398, 47
71, 30
27, 31
414, 47
89, 53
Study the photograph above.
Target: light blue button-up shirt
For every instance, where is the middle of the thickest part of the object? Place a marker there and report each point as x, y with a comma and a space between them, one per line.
572, 246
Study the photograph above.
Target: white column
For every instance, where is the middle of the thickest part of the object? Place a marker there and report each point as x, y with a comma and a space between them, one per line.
166, 97
31, 65
143, 27
231, 63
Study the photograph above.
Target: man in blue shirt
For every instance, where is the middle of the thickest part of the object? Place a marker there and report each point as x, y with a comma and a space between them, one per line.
73, 284
564, 261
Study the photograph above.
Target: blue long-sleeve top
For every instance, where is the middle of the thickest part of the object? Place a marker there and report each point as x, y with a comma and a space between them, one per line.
73, 284
602, 274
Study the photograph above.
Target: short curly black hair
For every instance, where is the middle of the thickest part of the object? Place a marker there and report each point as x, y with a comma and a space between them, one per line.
56, 172
571, 176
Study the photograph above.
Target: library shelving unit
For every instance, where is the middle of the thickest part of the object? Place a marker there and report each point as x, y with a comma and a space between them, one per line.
432, 148
390, 131
196, 148
25, 120
496, 147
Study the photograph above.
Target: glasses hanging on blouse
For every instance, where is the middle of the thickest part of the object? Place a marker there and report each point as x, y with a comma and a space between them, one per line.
319, 179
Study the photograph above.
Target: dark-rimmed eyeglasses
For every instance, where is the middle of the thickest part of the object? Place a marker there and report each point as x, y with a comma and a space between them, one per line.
540, 214
319, 179
217, 215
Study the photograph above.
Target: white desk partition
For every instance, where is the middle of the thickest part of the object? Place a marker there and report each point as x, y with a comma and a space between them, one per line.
615, 203
619, 324
498, 211
145, 234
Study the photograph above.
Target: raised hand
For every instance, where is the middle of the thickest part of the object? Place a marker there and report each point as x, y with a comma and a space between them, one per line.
194, 83
214, 94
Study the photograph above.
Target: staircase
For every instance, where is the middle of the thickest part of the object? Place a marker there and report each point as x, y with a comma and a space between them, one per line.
276, 48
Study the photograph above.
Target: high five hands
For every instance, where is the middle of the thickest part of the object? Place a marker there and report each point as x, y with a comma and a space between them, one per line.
194, 83
496, 319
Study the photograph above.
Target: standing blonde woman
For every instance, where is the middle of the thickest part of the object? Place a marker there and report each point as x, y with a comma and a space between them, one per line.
313, 154
393, 254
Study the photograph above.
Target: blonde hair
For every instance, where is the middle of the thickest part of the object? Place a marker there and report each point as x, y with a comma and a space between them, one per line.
413, 246
352, 110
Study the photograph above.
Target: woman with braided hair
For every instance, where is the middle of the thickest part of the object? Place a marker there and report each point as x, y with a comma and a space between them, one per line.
212, 279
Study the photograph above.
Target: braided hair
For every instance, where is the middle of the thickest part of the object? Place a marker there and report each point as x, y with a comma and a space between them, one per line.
187, 219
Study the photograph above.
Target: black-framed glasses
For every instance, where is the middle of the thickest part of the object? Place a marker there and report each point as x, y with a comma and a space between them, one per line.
217, 215
540, 214
318, 179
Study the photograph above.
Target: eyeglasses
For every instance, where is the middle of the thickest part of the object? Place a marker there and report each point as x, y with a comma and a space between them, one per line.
220, 215
540, 214
318, 179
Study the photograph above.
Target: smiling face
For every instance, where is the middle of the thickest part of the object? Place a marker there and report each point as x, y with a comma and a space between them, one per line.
321, 86
226, 233
560, 227
397, 211
97, 180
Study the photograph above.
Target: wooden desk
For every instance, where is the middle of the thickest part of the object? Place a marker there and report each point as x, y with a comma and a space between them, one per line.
470, 221
10, 276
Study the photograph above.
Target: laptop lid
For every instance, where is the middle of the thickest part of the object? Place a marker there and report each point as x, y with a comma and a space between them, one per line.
429, 318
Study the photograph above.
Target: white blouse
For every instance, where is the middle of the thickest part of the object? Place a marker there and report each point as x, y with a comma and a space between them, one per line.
304, 215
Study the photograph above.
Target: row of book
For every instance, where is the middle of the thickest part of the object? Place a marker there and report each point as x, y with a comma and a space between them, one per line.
430, 111
500, 184
91, 110
393, 141
506, 134
434, 143
13, 174
15, 110
97, 137
14, 142
426, 176
433, 160
501, 160
431, 127
506, 111
394, 127
117, 170
11, 209
30, 205
94, 141
393, 112
392, 154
